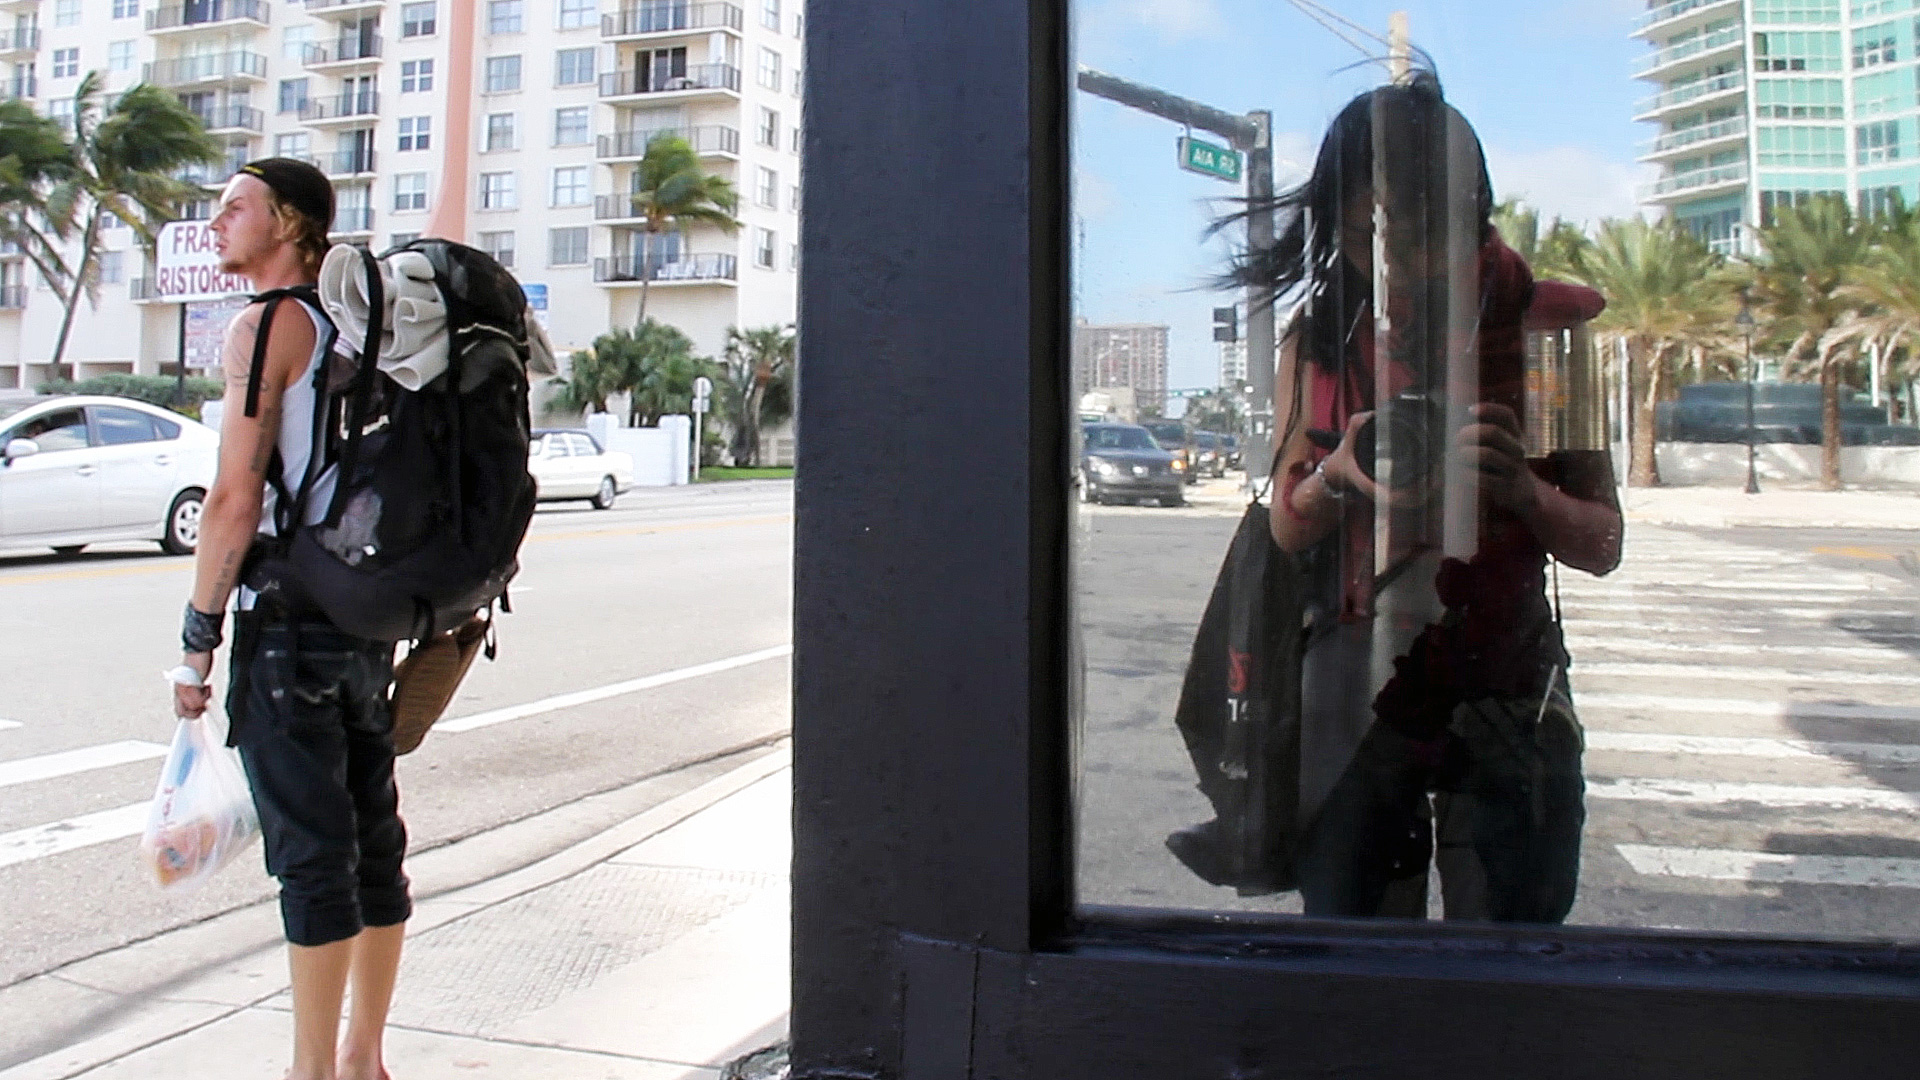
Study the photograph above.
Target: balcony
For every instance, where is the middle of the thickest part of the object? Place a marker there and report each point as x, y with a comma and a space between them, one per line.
207, 176
347, 10
345, 53
19, 88
342, 108
706, 140
228, 67
1692, 94
664, 18
1671, 18
699, 79
343, 163
231, 119
19, 42
142, 290
207, 15
13, 298
1699, 50
352, 221
1697, 182
708, 268
1694, 139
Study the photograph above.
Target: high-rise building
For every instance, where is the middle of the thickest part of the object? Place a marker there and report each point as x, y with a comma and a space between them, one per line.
1765, 103
1233, 365
1130, 354
515, 125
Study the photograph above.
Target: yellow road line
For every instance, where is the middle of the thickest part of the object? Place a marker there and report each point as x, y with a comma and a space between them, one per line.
1855, 552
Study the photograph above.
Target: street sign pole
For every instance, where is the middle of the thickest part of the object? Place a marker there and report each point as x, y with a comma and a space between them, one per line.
180, 376
702, 400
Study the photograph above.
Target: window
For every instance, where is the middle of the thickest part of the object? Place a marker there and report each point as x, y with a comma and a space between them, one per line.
764, 242
796, 82
793, 256
120, 56
416, 76
1771, 201
66, 12
293, 95
570, 186
500, 131
1799, 11
1881, 202
799, 26
113, 267
1803, 147
575, 14
770, 14
503, 74
504, 17
769, 69
793, 199
416, 132
120, 427
794, 145
570, 126
1796, 50
1886, 91
1878, 142
64, 430
294, 41
293, 144
499, 245
497, 192
401, 239
417, 20
410, 191
766, 192
769, 130
567, 247
126, 9
66, 63
1800, 99
1875, 45
572, 67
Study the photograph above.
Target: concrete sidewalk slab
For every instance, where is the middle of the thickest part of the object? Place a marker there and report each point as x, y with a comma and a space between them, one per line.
1721, 508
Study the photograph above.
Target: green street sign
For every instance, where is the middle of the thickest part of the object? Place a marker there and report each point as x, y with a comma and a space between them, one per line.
1219, 162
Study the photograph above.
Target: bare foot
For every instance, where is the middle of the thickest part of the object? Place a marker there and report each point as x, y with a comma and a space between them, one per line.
349, 1071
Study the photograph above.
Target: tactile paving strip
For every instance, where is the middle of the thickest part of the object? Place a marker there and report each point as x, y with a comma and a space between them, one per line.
474, 975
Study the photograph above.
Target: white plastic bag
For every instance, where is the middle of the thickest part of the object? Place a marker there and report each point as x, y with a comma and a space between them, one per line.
202, 813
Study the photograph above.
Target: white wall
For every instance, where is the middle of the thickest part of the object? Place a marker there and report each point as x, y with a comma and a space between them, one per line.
1725, 464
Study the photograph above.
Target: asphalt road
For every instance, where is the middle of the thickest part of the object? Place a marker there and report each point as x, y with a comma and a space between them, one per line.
1750, 698
665, 581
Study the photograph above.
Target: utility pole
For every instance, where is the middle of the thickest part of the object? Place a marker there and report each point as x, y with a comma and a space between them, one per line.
1399, 47
1251, 134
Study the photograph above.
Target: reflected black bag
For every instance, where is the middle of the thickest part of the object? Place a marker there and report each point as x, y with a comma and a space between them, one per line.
1239, 713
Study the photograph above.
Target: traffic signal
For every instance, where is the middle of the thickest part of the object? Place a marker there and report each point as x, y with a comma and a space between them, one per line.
1226, 324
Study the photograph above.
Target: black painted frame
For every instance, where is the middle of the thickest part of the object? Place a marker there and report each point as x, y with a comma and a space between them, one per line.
933, 926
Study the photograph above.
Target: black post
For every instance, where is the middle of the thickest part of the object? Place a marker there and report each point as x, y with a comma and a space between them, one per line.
1745, 322
180, 372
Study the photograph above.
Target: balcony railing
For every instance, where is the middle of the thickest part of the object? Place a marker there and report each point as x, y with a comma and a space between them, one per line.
206, 12
343, 162
20, 39
329, 7
230, 117
1693, 136
353, 219
211, 67
1669, 12
18, 88
13, 297
364, 103
670, 16
343, 51
1699, 178
1736, 80
711, 266
706, 139
1706, 43
697, 77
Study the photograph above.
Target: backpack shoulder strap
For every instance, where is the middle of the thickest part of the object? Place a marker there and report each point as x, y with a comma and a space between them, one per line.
271, 298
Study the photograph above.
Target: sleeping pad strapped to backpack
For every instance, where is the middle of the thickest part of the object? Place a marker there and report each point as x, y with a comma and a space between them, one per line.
432, 496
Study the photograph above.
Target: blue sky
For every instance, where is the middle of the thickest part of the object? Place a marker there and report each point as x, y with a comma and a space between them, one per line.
1546, 83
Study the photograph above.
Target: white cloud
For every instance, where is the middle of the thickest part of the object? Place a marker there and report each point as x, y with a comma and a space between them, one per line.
1569, 181
1174, 20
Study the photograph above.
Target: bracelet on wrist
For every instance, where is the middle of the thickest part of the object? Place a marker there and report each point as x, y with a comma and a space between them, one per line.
1336, 491
199, 631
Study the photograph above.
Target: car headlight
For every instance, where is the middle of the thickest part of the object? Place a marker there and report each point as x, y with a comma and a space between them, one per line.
1105, 468
1179, 466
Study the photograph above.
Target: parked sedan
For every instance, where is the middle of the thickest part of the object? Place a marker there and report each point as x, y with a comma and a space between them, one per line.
1122, 461
82, 470
573, 465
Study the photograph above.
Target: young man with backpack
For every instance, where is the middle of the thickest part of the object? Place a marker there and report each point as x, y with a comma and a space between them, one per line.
308, 704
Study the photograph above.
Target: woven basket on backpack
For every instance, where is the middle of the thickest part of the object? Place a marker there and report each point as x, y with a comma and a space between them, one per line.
424, 682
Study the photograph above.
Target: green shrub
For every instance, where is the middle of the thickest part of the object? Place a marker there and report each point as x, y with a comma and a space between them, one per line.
152, 389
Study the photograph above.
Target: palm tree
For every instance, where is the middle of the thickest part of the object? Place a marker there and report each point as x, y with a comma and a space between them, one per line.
1550, 253
34, 157
1887, 287
759, 364
672, 191
123, 163
1665, 290
585, 387
1813, 254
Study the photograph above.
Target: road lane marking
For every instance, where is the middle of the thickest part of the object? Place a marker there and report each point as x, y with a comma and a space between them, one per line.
612, 690
1776, 710
1771, 868
40, 841
1634, 742
644, 530
8, 725
1654, 670
1582, 644
68, 762
1691, 631
1776, 796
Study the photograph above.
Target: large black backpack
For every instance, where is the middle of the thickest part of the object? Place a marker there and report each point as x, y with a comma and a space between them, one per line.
432, 495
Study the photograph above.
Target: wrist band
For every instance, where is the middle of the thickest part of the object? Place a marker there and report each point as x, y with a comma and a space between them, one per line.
1339, 493
199, 631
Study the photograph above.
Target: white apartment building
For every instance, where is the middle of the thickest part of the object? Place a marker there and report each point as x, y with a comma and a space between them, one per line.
559, 100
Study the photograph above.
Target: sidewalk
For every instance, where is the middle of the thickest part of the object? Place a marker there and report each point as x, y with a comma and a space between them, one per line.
1719, 508
656, 950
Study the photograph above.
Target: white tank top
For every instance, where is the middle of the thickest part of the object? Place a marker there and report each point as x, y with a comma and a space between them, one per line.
296, 436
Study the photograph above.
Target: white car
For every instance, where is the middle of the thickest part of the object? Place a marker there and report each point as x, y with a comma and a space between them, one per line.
572, 465
82, 470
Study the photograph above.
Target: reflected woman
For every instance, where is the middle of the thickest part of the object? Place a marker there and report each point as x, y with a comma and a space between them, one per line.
1437, 724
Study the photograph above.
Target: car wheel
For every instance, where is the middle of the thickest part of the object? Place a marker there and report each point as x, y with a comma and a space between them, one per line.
603, 498
182, 533
68, 550
1174, 500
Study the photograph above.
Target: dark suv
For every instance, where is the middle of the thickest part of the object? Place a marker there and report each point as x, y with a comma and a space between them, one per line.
1176, 439
1122, 461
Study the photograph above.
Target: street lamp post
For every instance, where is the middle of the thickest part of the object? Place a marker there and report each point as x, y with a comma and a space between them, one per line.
1746, 324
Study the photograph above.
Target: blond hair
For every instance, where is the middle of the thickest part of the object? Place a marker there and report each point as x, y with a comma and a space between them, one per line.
307, 233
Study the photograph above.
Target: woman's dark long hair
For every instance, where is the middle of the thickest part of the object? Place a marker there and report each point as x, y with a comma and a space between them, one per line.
1306, 261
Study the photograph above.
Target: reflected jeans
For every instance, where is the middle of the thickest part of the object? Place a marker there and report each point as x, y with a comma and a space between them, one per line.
1502, 790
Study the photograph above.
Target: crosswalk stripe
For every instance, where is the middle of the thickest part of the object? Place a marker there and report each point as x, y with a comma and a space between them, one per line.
40, 841
1704, 792
6, 725
1581, 645
1655, 670
1694, 629
67, 762
1773, 868
1751, 707
601, 693
1635, 742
